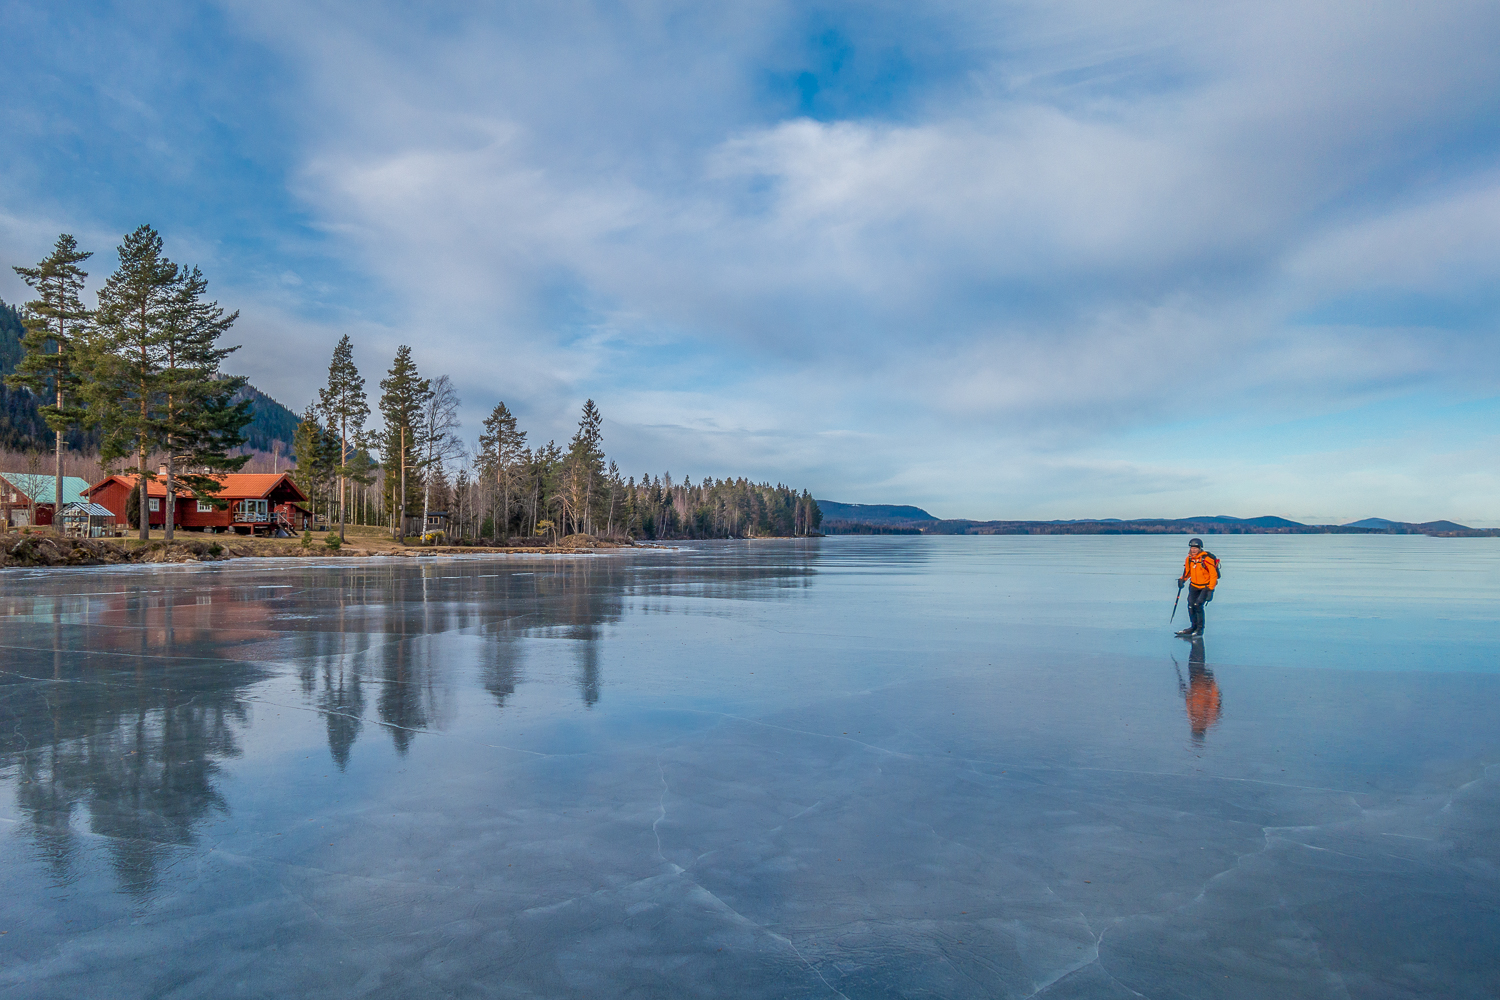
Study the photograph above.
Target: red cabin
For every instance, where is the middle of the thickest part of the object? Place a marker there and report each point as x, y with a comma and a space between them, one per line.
252, 503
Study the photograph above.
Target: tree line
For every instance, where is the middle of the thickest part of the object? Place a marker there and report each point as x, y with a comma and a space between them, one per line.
506, 490
140, 375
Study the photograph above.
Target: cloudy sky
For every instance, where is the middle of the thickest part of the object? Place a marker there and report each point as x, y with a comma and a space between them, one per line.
1042, 259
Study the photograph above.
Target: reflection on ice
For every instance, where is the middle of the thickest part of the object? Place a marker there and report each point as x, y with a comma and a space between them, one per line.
1200, 691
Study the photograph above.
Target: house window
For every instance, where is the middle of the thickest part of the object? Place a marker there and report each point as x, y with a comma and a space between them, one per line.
205, 507
155, 505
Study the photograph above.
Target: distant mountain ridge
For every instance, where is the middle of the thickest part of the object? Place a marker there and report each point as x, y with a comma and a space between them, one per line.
882, 519
873, 513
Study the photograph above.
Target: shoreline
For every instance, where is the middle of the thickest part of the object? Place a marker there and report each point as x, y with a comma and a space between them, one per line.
48, 551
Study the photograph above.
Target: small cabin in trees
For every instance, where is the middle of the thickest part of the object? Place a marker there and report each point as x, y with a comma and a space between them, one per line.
249, 503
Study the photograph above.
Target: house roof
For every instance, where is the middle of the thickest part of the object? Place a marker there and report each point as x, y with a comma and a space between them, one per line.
237, 485
87, 508
43, 488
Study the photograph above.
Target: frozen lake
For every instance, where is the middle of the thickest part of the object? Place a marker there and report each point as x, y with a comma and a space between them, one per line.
868, 767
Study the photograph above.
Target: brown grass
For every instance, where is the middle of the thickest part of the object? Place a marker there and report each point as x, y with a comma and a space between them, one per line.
40, 547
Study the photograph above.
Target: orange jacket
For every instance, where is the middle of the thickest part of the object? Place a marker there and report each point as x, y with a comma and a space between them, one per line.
1201, 571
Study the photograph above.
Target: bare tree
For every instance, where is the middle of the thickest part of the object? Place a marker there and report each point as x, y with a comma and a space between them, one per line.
439, 440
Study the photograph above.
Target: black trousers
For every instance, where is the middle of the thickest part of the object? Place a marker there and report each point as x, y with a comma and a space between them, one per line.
1197, 597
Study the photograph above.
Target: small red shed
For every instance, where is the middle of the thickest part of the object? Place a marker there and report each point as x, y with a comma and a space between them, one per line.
249, 502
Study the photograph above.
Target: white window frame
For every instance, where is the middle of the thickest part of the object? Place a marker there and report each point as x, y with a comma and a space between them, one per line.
155, 505
205, 507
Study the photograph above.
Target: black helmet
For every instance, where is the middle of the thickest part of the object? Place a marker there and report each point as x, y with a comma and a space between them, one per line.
1195, 541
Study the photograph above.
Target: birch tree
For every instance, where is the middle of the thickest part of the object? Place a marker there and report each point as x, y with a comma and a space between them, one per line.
440, 443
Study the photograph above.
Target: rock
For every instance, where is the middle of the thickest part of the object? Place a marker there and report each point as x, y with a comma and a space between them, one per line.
49, 550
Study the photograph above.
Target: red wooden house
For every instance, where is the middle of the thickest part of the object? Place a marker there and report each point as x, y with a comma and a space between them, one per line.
255, 503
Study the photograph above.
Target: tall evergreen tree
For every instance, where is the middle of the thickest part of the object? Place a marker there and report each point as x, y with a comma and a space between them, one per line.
120, 360
501, 446
345, 409
404, 395
541, 469
362, 465
200, 419
317, 454
583, 470
53, 321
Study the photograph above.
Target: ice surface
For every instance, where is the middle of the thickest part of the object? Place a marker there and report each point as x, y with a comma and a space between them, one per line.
868, 767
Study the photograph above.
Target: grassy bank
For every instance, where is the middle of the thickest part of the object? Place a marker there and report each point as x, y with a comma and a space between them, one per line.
40, 548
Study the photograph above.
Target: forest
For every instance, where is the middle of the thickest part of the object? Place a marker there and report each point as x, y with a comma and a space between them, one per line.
136, 385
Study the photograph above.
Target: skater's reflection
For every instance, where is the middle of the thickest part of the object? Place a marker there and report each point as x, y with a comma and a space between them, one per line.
1200, 691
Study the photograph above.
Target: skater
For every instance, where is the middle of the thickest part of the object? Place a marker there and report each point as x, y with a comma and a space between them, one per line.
1200, 571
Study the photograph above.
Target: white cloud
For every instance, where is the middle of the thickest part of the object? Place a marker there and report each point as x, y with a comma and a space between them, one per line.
1100, 219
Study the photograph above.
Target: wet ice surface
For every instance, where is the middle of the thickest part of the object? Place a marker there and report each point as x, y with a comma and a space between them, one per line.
869, 767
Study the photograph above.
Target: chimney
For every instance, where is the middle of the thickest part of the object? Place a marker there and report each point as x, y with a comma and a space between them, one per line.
161, 470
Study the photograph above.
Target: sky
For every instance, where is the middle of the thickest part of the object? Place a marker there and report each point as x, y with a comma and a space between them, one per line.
999, 260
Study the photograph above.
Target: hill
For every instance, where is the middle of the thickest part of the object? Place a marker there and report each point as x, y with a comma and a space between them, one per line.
1216, 524
270, 422
872, 513
21, 425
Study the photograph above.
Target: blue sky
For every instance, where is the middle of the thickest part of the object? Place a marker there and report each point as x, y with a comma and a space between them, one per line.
999, 260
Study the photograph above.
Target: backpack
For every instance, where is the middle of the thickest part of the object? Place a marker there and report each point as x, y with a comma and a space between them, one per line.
1218, 565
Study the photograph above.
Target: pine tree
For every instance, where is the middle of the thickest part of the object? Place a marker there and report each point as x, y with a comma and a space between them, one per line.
404, 395
583, 470
345, 409
542, 473
120, 360
317, 453
362, 466
200, 421
53, 321
501, 447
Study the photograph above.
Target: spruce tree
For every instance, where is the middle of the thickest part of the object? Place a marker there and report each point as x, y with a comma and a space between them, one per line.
583, 469
200, 421
345, 409
501, 447
53, 321
404, 394
121, 359
317, 454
